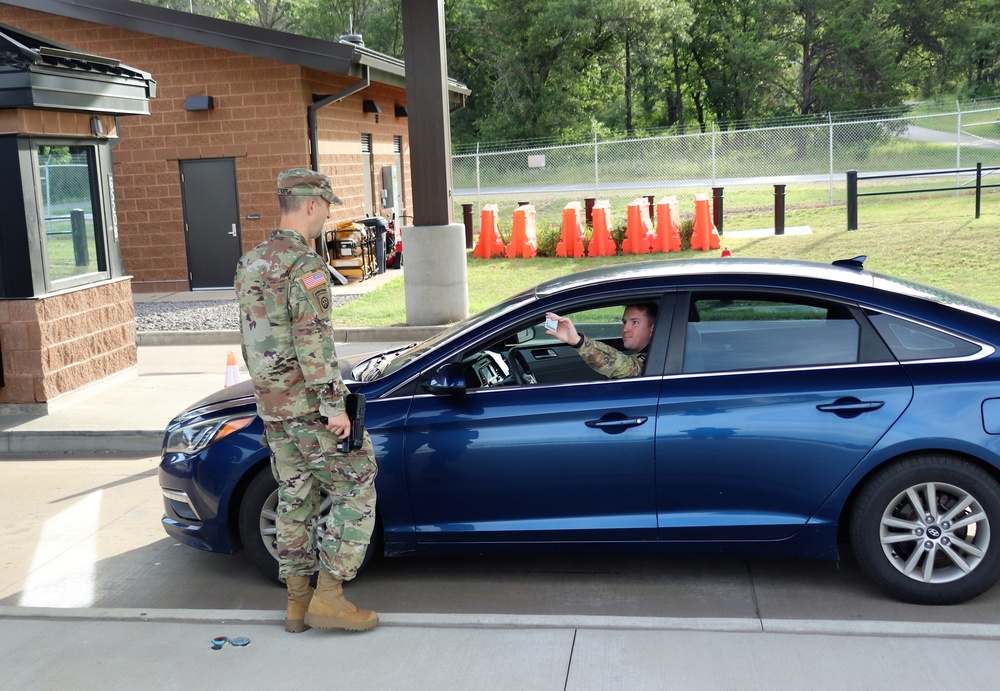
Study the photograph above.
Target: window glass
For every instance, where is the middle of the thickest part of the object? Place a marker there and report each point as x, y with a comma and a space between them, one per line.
71, 223
912, 341
526, 355
736, 332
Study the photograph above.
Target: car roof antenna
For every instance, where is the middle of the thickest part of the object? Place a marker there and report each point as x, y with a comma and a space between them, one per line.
857, 263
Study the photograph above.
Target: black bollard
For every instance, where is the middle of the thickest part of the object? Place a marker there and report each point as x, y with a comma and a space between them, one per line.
717, 208
779, 209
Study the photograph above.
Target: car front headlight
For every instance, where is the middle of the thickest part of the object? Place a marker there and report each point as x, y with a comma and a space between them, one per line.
191, 438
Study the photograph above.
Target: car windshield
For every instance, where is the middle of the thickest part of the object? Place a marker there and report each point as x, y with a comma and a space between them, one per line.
393, 360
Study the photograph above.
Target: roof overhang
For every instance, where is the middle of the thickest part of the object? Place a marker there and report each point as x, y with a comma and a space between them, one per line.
337, 57
37, 73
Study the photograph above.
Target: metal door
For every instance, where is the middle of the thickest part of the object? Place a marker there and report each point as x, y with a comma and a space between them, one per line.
211, 221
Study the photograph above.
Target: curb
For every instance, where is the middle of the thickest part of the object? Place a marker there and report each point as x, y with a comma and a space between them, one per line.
375, 334
35, 442
825, 627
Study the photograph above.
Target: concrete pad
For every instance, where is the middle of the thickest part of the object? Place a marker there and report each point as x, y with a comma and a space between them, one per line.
635, 660
131, 655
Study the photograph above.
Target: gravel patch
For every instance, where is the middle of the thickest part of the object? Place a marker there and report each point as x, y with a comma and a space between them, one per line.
202, 315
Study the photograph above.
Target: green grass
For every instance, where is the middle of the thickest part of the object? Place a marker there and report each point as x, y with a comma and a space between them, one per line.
932, 238
61, 253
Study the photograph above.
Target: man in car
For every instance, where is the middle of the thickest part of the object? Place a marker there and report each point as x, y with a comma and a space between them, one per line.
287, 335
637, 331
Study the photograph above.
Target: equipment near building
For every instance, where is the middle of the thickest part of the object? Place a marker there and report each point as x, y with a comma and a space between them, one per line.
352, 249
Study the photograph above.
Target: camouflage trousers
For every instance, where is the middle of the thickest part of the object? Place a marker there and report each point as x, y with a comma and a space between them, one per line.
311, 472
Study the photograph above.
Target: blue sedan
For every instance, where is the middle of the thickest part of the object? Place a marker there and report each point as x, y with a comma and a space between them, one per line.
785, 408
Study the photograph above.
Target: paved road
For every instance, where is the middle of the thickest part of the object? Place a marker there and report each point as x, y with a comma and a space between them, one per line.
94, 595
85, 533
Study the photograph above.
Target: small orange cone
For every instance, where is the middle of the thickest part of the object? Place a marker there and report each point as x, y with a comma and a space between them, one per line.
232, 372
726, 252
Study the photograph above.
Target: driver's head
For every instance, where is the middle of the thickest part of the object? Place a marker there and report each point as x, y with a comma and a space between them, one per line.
637, 326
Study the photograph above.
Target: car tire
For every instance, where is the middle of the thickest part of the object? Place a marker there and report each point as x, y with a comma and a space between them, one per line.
921, 529
258, 531
257, 522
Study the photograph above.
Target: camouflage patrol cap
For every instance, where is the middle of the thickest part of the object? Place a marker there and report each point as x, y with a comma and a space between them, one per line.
305, 182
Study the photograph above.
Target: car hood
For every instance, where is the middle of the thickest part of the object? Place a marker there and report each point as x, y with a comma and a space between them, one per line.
234, 395
242, 393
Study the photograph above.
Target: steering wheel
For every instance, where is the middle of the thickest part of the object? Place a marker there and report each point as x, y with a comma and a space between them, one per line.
519, 368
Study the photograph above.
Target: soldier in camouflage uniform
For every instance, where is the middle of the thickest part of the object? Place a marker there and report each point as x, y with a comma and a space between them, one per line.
637, 331
283, 288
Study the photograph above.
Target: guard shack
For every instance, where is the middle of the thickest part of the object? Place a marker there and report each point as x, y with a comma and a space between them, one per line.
66, 314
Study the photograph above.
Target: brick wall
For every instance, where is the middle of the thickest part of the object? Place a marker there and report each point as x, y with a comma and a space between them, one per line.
259, 119
62, 342
52, 123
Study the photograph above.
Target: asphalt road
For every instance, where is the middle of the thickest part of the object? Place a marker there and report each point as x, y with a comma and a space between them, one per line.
85, 533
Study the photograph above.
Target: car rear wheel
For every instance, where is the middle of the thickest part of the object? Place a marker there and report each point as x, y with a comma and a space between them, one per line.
922, 529
258, 528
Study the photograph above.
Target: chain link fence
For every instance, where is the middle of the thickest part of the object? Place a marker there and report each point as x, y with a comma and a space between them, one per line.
809, 155
67, 208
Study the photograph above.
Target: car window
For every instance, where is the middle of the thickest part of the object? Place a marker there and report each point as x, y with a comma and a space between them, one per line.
730, 331
525, 355
909, 340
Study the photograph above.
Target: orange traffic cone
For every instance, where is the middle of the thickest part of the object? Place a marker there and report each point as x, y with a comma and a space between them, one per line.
232, 372
668, 236
490, 243
601, 242
705, 236
726, 252
639, 233
572, 236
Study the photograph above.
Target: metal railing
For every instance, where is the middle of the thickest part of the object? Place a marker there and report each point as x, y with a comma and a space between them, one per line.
853, 178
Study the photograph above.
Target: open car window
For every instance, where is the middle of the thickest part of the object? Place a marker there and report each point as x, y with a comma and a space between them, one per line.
525, 355
734, 331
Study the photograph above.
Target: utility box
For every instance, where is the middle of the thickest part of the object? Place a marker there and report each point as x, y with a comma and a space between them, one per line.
390, 188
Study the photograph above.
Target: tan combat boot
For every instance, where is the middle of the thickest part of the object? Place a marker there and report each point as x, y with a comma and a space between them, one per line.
329, 609
300, 594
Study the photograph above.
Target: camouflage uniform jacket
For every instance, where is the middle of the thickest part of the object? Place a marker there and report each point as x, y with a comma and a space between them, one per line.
287, 334
611, 362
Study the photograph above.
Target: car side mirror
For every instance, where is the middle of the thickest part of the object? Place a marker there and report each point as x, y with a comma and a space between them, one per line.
449, 378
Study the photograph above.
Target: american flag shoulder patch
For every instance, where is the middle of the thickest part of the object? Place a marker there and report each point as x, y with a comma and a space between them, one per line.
314, 280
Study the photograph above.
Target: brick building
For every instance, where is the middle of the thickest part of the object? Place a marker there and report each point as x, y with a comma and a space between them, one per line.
193, 181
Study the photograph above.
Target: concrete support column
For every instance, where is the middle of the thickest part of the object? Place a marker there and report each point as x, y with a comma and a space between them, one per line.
435, 278
437, 293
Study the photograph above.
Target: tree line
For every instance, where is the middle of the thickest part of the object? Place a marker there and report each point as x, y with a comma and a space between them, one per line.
566, 69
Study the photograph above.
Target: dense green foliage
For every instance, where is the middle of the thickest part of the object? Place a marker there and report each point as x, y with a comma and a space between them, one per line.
564, 69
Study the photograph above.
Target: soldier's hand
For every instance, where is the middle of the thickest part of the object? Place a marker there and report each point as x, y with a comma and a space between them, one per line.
566, 331
339, 425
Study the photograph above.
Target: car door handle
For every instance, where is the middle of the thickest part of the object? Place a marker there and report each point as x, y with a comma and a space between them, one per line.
546, 354
849, 407
616, 423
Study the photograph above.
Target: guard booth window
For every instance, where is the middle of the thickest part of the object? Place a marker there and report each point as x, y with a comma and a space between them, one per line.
73, 239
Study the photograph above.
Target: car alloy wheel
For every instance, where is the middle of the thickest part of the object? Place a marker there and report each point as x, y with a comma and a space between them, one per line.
922, 528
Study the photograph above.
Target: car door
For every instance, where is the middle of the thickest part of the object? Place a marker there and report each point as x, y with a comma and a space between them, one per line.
780, 396
567, 461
